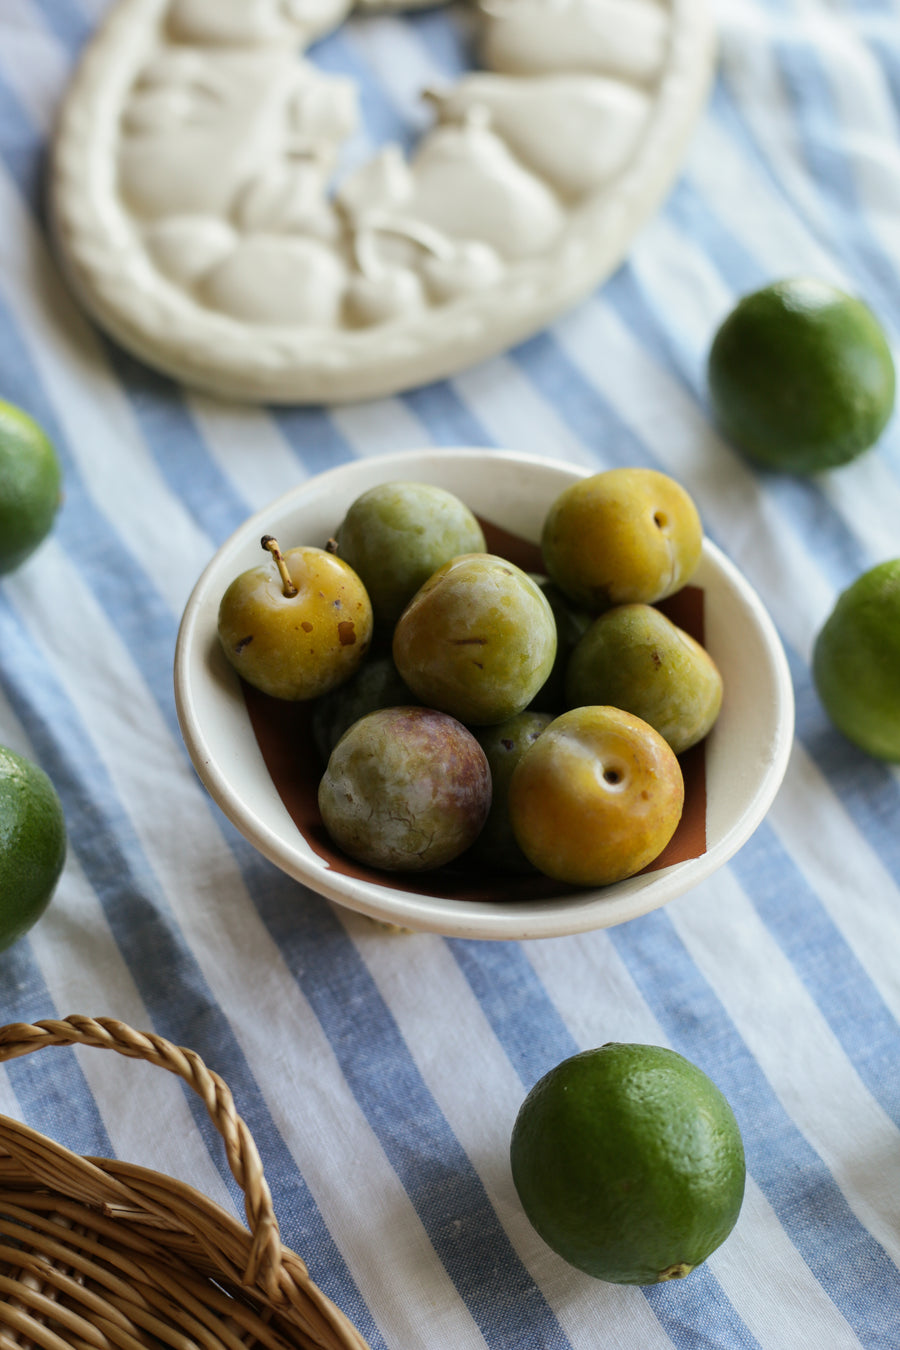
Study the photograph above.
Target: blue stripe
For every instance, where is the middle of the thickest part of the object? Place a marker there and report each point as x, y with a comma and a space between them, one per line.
67, 21
447, 417
118, 870
447, 39
167, 976
84, 532
436, 1174
579, 403
820, 132
21, 146
380, 120
172, 436
46, 1084
865, 1285
314, 437
535, 1038
202, 1024
867, 789
515, 1002
834, 977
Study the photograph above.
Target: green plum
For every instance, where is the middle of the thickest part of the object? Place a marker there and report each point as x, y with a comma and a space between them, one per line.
636, 658
596, 798
623, 535
496, 848
397, 534
377, 684
405, 790
297, 627
478, 640
572, 623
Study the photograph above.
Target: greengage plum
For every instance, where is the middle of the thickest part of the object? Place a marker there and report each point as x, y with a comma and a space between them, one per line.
496, 848
596, 797
572, 623
397, 534
377, 684
624, 535
297, 627
478, 640
636, 658
405, 790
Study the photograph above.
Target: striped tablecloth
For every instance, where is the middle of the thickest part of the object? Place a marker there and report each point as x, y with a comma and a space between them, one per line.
380, 1076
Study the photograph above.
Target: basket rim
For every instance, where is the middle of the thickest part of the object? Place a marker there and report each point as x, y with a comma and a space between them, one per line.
252, 1259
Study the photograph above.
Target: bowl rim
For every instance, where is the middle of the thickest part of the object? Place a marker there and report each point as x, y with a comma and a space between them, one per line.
508, 920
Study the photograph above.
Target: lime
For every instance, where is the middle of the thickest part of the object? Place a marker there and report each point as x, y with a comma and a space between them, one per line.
629, 1163
856, 662
801, 376
32, 844
30, 485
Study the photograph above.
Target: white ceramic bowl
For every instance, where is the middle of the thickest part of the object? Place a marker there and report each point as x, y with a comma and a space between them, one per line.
744, 757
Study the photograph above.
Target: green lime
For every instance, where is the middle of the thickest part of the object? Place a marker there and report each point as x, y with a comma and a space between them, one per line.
30, 485
856, 662
32, 844
801, 376
629, 1163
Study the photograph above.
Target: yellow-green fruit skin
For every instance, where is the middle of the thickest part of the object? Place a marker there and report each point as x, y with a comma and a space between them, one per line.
30, 486
801, 377
621, 536
636, 658
629, 1163
478, 640
596, 797
32, 844
856, 662
396, 535
296, 647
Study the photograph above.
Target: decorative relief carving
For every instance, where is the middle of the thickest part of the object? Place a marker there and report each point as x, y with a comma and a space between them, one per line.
195, 212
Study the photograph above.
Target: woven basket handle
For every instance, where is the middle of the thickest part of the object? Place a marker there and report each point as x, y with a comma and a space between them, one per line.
21, 1038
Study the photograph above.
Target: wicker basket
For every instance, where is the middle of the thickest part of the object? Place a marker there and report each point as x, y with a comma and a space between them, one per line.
102, 1255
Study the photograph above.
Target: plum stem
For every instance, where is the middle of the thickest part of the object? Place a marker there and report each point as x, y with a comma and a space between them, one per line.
270, 544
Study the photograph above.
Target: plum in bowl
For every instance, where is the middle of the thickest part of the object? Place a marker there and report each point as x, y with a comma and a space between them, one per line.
256, 756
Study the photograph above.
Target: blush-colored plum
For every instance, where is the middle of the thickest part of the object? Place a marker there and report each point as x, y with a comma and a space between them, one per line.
624, 535
636, 658
405, 790
478, 640
596, 797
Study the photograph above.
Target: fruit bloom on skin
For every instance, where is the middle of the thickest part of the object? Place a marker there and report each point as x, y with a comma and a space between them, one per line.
635, 658
406, 790
621, 536
478, 640
299, 627
596, 797
396, 535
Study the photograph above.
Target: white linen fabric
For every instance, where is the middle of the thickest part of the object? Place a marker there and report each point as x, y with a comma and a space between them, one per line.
380, 1075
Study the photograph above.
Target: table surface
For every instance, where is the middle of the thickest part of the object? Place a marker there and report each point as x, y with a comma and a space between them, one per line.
380, 1075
